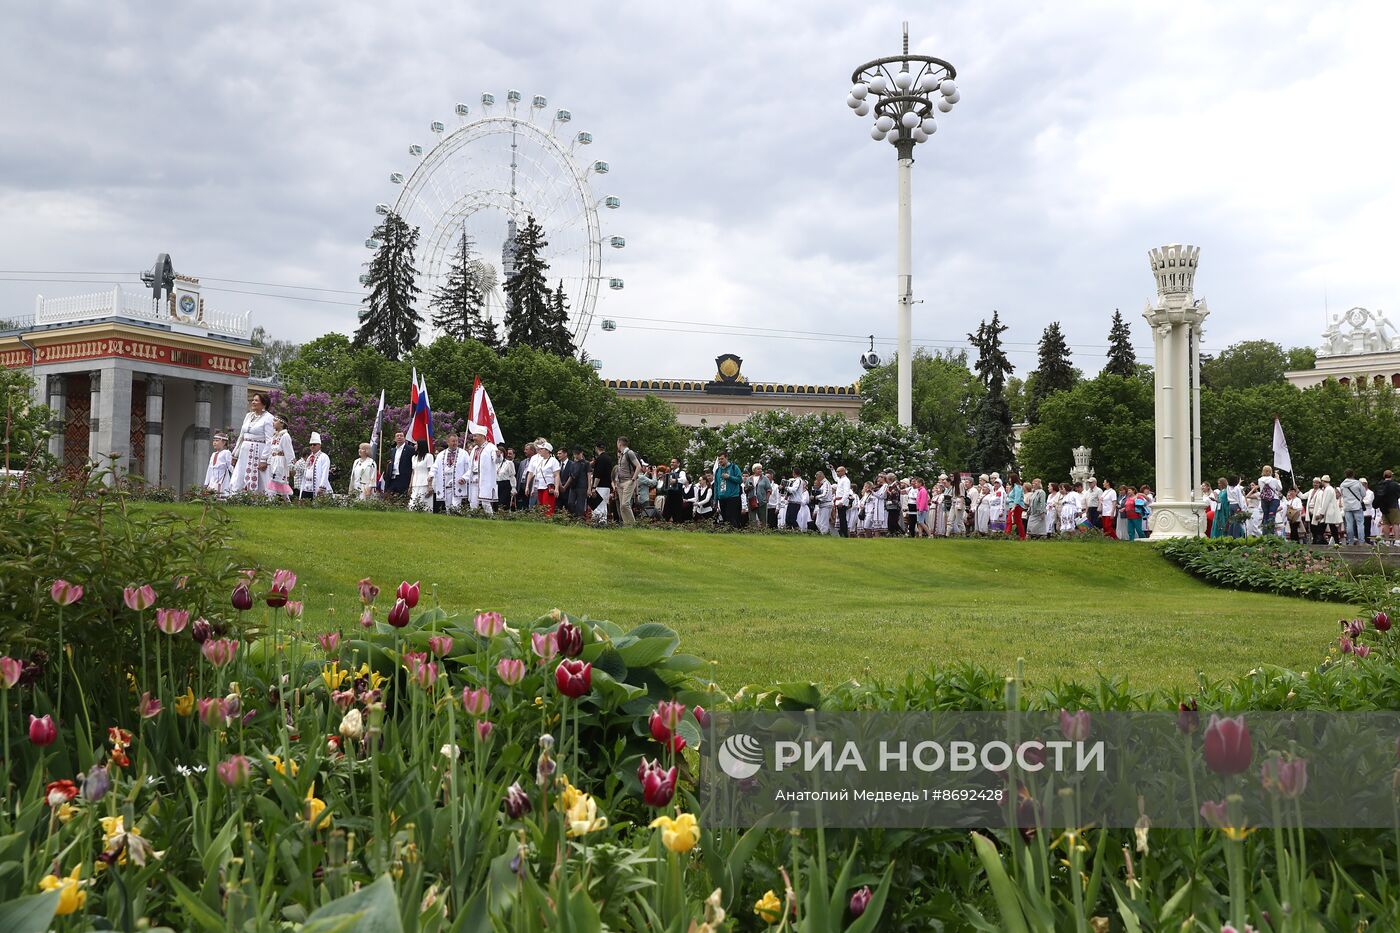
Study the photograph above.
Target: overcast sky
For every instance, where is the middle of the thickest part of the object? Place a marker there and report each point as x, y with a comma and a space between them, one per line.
252, 140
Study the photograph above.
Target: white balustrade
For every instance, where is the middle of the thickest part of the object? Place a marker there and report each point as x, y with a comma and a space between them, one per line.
138, 306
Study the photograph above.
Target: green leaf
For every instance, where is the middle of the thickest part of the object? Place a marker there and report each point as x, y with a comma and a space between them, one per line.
653, 630
611, 663
799, 696
207, 917
375, 909
31, 914
873, 910
644, 652
1003, 890
690, 731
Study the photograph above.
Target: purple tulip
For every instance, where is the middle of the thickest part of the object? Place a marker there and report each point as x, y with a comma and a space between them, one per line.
517, 802
1228, 749
242, 599
860, 900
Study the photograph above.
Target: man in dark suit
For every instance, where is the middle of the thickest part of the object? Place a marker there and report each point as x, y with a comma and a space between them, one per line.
399, 471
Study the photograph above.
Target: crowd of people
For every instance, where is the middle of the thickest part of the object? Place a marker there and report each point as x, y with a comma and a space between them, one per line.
611, 482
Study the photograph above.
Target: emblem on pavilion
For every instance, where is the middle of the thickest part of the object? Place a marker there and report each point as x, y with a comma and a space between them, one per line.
1359, 331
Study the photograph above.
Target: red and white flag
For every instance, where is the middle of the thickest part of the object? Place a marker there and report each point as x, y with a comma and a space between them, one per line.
483, 413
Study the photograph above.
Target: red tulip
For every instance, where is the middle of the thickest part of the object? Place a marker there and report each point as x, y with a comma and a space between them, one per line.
277, 596
368, 591
58, 793
42, 731
574, 678
1075, 726
1228, 749
663, 724
570, 639
408, 593
242, 599
1188, 719
658, 784
65, 593
139, 598
1381, 621
398, 616
702, 717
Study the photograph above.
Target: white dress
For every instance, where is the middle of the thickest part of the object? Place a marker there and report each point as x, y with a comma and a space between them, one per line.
216, 477
1070, 508
281, 459
364, 478
420, 493
450, 469
482, 482
254, 439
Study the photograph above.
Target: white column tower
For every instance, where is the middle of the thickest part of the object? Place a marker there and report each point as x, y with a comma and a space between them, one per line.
1175, 320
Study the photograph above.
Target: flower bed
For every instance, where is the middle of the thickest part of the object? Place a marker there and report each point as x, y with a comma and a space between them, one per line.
1266, 565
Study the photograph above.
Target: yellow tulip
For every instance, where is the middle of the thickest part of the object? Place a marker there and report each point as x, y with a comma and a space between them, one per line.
768, 908
71, 896
66, 812
680, 834
184, 703
568, 793
283, 767
333, 676
583, 817
375, 678
316, 813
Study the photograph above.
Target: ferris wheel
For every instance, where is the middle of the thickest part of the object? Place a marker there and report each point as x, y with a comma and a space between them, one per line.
484, 177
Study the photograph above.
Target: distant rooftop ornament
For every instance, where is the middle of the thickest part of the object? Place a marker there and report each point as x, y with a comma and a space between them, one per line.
1357, 331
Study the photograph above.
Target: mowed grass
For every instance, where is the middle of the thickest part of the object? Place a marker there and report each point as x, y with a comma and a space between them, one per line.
772, 608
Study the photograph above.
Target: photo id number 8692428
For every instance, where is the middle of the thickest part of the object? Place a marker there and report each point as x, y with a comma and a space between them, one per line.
964, 793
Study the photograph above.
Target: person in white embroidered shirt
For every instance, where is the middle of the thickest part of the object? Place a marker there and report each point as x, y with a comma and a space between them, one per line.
450, 472
1108, 510
317, 478
843, 498
482, 488
220, 469
364, 475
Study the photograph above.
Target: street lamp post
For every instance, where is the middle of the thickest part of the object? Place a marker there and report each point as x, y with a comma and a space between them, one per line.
903, 91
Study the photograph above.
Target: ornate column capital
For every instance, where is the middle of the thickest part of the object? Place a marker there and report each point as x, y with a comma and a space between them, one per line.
203, 392
95, 379
57, 385
155, 385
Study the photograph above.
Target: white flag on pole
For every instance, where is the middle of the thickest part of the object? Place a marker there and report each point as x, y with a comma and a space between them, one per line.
378, 426
1282, 461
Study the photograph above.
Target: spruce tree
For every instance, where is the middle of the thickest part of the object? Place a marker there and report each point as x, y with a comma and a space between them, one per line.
1053, 372
388, 322
558, 339
527, 296
991, 420
1122, 361
459, 306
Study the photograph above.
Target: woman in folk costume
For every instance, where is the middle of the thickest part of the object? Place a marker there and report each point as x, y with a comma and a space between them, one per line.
254, 438
482, 482
420, 490
982, 505
451, 468
1052, 507
364, 475
1036, 525
1220, 521
218, 473
280, 458
804, 511
996, 517
1070, 507
823, 497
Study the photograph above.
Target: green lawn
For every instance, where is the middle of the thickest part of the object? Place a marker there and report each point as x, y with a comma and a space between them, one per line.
777, 607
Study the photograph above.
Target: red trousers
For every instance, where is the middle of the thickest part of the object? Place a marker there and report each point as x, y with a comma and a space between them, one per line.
1110, 526
1016, 522
547, 500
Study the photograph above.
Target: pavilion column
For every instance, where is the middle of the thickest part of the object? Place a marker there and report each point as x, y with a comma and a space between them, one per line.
155, 427
113, 411
94, 406
58, 409
1176, 511
203, 393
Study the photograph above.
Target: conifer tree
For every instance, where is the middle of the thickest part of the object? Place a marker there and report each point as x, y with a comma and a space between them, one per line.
1122, 361
558, 339
388, 321
528, 298
1053, 372
459, 306
991, 420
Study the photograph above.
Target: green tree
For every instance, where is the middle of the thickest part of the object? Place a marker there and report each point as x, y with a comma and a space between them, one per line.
388, 322
1300, 358
1053, 372
333, 363
945, 394
1018, 397
528, 298
991, 420
1250, 363
557, 338
23, 424
459, 305
1111, 414
1122, 361
274, 356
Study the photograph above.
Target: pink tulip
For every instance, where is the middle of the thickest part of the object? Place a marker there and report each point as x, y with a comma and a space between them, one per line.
1381, 621
398, 616
367, 618
545, 644
412, 659
329, 642
702, 717
234, 771
860, 901
1228, 749
182, 581
139, 598
426, 674
172, 621
10, 671
284, 580
149, 707
343, 698
220, 651
213, 712
1075, 726
440, 645
294, 608
476, 702
1216, 813
489, 624
408, 592
511, 670
1361, 651
1288, 779
658, 784
368, 591
484, 730
42, 731
65, 593
1346, 645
